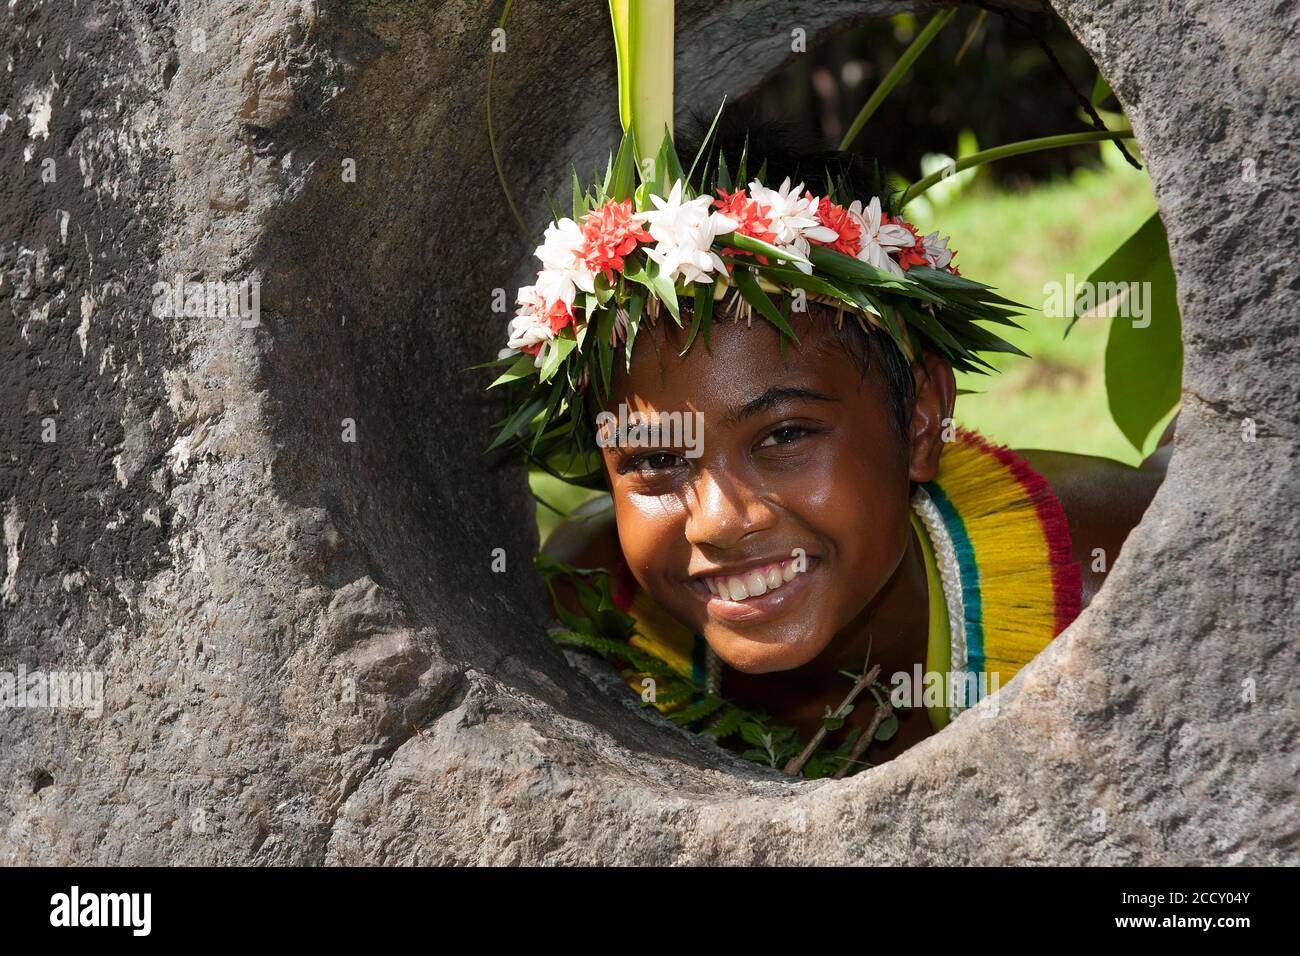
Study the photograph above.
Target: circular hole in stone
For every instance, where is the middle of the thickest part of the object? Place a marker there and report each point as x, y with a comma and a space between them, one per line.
1035, 226
381, 425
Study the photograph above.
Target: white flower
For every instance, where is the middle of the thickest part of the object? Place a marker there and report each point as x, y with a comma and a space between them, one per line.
877, 240
527, 331
793, 218
555, 285
937, 253
683, 233
529, 327
563, 268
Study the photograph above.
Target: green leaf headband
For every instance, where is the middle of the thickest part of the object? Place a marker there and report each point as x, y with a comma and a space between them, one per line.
650, 235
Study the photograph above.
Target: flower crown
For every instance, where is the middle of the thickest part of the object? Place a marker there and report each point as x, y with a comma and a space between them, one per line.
630, 250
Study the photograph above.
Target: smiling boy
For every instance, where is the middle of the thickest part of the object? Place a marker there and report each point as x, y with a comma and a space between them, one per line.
826, 514
788, 543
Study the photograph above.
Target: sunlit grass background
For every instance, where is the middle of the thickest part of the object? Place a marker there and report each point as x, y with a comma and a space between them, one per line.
1018, 241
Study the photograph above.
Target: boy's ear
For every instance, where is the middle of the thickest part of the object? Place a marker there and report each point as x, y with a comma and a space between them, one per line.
936, 391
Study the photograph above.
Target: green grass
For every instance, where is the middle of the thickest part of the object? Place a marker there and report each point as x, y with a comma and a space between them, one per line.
1018, 242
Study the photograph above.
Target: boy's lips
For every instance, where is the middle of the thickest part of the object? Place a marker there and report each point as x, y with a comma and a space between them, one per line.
756, 593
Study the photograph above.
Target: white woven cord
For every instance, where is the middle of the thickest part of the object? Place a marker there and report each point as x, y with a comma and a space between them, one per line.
950, 575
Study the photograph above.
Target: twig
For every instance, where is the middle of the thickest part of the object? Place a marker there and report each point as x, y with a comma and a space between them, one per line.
883, 709
862, 683
492, 139
1038, 38
971, 31
550, 507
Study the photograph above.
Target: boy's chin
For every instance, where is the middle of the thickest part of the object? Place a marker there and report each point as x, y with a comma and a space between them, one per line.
752, 653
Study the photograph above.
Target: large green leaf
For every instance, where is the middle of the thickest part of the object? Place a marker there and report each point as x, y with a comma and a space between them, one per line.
702, 314
1144, 353
1100, 90
840, 266
605, 348
623, 174
643, 43
668, 169
659, 286
522, 367
556, 355
619, 18
759, 247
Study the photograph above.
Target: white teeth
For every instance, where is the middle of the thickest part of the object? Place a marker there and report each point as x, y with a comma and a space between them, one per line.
754, 583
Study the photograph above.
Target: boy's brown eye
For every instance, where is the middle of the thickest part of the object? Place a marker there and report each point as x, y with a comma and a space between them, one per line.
653, 462
783, 436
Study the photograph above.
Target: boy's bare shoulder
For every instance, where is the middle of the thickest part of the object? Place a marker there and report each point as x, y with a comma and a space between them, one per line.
588, 538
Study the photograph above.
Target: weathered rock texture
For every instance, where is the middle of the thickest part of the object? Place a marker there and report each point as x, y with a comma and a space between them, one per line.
307, 657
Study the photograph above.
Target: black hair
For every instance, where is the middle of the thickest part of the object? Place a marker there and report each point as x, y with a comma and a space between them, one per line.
892, 366
788, 152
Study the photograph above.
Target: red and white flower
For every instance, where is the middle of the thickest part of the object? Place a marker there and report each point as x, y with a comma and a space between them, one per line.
536, 322
683, 233
846, 226
912, 254
750, 218
679, 235
791, 214
879, 238
610, 233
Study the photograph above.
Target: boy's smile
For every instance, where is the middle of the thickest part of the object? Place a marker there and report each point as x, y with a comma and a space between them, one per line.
794, 515
754, 593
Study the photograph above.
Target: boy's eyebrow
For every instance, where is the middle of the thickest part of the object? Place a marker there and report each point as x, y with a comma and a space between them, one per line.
775, 396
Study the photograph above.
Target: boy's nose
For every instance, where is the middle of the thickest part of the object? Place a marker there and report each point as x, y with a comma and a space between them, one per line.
722, 511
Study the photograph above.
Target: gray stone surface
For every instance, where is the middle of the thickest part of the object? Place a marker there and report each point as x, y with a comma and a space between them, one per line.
306, 656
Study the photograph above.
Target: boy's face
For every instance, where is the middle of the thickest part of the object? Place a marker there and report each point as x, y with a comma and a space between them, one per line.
791, 512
